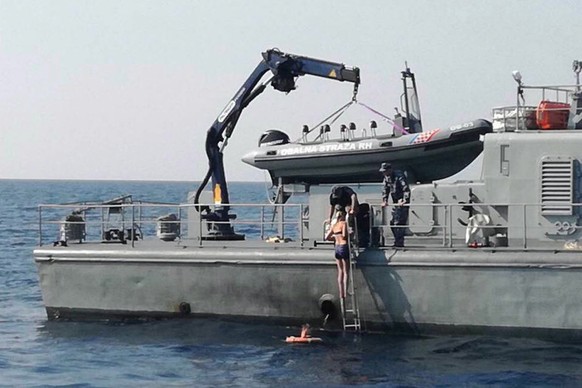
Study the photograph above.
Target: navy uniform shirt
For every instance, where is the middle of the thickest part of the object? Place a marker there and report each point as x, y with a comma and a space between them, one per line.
341, 195
396, 185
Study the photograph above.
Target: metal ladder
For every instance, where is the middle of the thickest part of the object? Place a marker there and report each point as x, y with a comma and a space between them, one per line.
351, 311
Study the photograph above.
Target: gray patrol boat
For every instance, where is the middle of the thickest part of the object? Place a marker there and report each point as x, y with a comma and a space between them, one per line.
494, 248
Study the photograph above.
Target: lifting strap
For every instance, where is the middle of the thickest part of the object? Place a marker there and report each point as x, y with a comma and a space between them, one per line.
339, 112
335, 115
385, 118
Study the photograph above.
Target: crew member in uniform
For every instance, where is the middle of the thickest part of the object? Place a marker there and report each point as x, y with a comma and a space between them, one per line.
396, 186
345, 198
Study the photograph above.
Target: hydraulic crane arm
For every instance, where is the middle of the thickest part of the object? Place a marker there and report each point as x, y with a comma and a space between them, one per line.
285, 69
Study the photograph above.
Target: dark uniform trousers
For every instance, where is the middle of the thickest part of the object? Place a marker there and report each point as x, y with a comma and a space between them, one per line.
399, 217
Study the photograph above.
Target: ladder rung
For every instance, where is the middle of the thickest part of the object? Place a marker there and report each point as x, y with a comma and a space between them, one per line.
352, 311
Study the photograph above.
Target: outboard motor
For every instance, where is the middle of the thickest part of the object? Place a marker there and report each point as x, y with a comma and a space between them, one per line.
273, 137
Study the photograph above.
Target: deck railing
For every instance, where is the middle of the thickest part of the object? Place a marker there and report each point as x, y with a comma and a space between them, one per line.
443, 225
522, 116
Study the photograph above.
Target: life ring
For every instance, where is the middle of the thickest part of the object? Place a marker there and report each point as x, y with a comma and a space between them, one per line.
303, 340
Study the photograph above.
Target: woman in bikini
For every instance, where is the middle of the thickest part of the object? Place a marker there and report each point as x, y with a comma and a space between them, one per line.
338, 232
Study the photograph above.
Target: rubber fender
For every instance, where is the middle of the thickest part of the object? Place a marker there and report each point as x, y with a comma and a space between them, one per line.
327, 305
184, 308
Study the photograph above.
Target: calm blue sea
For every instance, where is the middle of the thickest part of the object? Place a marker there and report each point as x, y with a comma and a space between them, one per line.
208, 352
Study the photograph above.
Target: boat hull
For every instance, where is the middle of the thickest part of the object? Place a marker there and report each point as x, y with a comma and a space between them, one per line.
412, 291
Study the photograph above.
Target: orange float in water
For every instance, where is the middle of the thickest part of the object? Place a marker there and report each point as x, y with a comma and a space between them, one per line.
302, 340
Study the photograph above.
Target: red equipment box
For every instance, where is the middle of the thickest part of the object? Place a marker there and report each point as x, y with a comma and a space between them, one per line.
552, 115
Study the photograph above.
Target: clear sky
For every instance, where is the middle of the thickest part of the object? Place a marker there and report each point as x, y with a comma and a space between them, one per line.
127, 89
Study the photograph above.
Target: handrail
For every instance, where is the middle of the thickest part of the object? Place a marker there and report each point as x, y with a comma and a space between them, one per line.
56, 215
562, 228
523, 230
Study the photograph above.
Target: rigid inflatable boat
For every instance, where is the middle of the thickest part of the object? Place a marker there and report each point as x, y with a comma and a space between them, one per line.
425, 156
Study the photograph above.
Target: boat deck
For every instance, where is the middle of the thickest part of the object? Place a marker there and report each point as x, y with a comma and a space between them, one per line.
293, 253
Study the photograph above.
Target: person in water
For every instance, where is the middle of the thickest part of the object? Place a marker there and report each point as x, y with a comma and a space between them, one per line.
338, 232
305, 329
395, 183
344, 198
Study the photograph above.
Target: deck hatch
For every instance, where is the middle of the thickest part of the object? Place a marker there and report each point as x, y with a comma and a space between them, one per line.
557, 182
